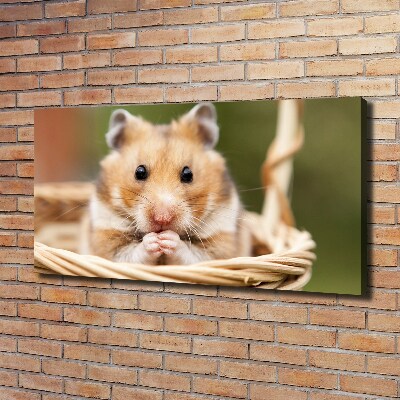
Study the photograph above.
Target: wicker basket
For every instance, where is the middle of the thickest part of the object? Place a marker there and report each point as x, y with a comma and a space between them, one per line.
288, 265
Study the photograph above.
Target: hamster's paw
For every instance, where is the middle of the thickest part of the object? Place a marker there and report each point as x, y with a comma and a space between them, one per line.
169, 242
151, 245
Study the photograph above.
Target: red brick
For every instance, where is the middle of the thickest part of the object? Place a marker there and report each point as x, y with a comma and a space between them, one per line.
7, 239
243, 12
247, 371
223, 348
164, 342
40, 311
64, 368
156, 4
14, 394
8, 169
15, 82
40, 347
384, 365
16, 117
383, 322
7, 100
138, 95
306, 7
368, 385
112, 374
197, 93
309, 48
351, 6
67, 9
7, 65
383, 172
89, 24
25, 204
112, 300
275, 70
25, 134
111, 40
64, 79
307, 378
8, 344
117, 77
220, 387
261, 392
191, 16
340, 361
308, 337
19, 362
15, 256
106, 7
366, 342
266, 312
7, 31
7, 308
39, 99
87, 317
41, 63
62, 44
137, 358
86, 353
89, 60
8, 378
137, 57
163, 37
41, 28
279, 354
190, 326
276, 29
222, 33
113, 337
138, 20
63, 332
87, 96
63, 295
198, 365
218, 73
87, 389
16, 187
123, 393
138, 321
341, 318
163, 75
163, 380
307, 89
246, 92
21, 12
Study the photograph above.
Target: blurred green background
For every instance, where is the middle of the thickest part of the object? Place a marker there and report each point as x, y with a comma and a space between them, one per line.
326, 191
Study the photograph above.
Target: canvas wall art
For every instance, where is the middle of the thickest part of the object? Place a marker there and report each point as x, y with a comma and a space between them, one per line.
263, 194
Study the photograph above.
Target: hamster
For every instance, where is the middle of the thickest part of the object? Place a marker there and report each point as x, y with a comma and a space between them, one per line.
164, 196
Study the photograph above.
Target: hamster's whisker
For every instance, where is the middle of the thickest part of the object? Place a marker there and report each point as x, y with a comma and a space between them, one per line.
197, 234
188, 236
252, 189
137, 194
68, 211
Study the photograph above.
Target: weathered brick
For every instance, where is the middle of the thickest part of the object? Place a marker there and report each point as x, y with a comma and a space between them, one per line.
39, 99
40, 347
341, 318
220, 387
89, 60
302, 90
188, 55
246, 92
19, 328
335, 26
251, 11
190, 326
137, 57
151, 4
42, 63
383, 322
117, 77
382, 66
308, 337
306, 378
334, 360
40, 311
122, 393
17, 394
247, 51
275, 70
86, 353
218, 73
112, 374
87, 317
7, 65
87, 389
262, 392
223, 348
63, 332
64, 368
15, 82
384, 365
113, 337
19, 362
266, 312
165, 342
247, 371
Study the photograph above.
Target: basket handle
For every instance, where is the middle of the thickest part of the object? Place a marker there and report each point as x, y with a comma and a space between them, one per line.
277, 168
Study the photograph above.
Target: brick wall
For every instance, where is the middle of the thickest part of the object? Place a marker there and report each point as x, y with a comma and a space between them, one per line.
66, 338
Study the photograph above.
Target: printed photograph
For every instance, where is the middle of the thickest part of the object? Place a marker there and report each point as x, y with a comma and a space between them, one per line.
259, 194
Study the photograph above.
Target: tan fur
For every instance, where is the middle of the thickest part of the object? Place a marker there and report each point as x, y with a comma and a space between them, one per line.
165, 150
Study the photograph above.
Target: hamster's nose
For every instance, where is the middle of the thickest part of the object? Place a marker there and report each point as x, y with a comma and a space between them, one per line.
163, 215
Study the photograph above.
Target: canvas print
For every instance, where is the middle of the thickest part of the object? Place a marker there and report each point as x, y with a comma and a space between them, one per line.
260, 194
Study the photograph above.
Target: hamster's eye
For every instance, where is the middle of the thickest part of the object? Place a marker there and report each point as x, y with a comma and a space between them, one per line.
141, 173
186, 175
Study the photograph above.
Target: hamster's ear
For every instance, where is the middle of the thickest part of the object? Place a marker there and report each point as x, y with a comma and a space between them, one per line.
204, 115
118, 121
